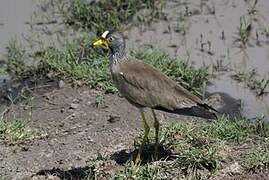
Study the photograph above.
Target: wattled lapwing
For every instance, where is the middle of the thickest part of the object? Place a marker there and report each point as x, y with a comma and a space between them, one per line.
146, 87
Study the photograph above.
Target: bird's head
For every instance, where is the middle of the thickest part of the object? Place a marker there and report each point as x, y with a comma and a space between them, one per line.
113, 41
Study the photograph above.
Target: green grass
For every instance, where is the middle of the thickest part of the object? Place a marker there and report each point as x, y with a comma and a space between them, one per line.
231, 130
182, 26
24, 96
198, 149
223, 129
244, 30
103, 15
15, 58
19, 62
147, 171
2, 71
81, 63
18, 130
100, 100
257, 158
253, 81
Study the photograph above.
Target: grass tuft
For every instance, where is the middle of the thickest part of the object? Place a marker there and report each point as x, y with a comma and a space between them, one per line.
131, 171
194, 159
98, 16
244, 30
18, 130
15, 58
2, 71
73, 62
223, 129
100, 100
229, 130
253, 81
258, 158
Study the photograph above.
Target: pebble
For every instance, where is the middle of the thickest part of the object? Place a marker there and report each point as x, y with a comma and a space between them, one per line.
74, 106
61, 84
113, 118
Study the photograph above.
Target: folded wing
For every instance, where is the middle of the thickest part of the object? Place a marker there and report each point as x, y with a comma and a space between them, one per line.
145, 86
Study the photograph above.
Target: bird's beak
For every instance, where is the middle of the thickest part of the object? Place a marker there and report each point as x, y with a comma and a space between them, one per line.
103, 43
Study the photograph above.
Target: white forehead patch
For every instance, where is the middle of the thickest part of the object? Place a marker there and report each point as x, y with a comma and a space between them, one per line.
105, 34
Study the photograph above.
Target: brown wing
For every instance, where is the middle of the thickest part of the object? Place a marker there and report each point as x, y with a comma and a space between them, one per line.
147, 86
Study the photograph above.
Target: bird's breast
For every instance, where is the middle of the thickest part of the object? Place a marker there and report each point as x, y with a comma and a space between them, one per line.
116, 75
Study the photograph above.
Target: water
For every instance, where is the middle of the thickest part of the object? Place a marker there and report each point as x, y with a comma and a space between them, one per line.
205, 27
14, 15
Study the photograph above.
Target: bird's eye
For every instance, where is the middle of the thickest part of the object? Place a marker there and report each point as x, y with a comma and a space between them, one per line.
110, 39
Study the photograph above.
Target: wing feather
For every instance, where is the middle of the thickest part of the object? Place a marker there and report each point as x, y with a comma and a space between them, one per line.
144, 85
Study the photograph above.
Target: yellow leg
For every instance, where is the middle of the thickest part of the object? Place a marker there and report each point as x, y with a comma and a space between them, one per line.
156, 126
146, 132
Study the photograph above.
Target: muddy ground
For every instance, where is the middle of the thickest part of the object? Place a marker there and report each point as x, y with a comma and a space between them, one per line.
77, 131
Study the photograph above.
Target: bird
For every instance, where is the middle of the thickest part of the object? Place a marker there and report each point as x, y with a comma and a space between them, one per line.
144, 86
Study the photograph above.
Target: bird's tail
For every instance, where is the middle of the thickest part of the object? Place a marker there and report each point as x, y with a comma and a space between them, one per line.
198, 111
208, 111
201, 110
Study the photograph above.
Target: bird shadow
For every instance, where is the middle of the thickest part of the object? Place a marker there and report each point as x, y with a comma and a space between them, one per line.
228, 105
147, 155
75, 173
120, 157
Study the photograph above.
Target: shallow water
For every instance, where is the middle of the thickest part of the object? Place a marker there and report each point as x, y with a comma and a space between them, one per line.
203, 26
14, 15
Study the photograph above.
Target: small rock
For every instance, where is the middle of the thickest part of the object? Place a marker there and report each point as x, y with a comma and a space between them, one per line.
86, 92
24, 148
74, 106
78, 83
89, 103
76, 100
50, 75
53, 177
235, 168
113, 118
61, 125
90, 140
26, 107
61, 84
